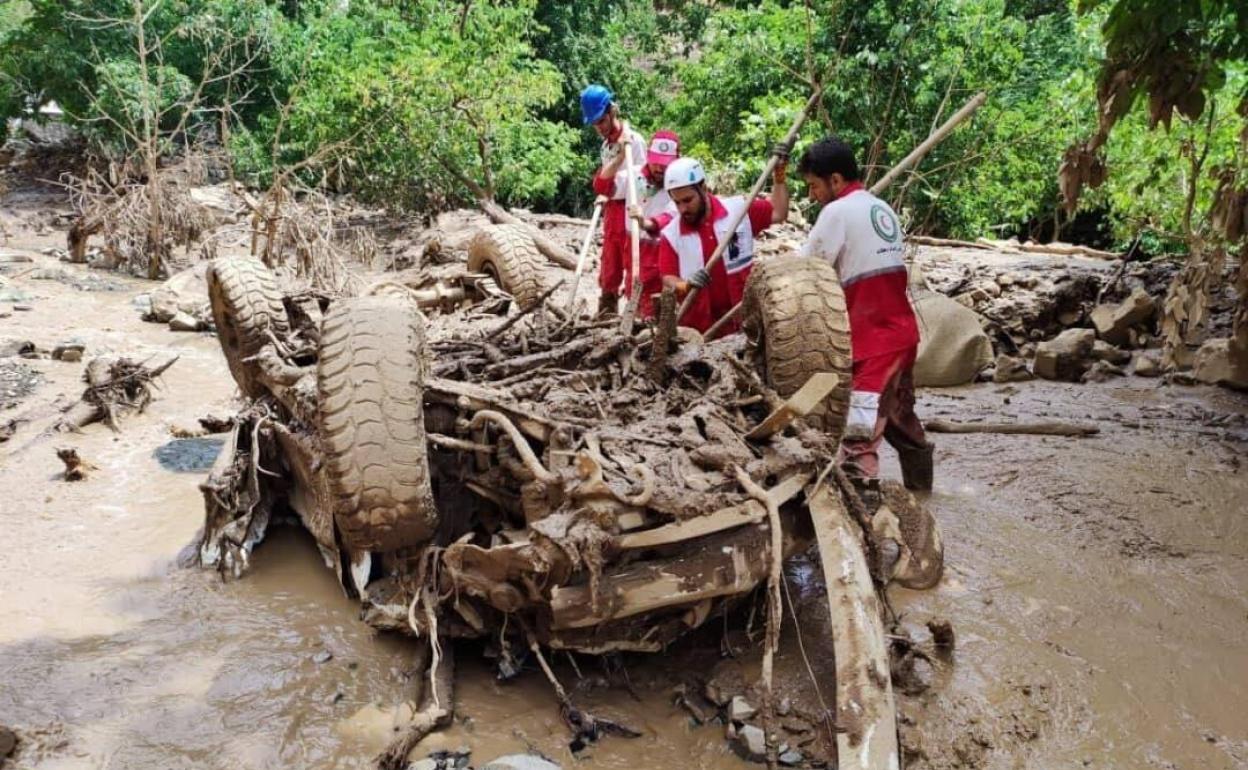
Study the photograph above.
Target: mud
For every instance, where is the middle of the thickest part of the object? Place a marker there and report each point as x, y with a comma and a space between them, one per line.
1095, 586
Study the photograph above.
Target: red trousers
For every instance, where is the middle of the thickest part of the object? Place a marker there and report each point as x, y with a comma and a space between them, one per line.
881, 408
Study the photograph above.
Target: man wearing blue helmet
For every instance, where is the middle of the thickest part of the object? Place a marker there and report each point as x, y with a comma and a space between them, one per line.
598, 109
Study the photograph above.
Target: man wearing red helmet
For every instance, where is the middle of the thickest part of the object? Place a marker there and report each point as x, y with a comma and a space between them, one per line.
655, 212
598, 109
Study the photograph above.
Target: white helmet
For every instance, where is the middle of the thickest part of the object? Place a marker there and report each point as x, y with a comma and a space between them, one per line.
683, 172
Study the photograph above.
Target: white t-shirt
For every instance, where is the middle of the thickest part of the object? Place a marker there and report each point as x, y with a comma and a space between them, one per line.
860, 235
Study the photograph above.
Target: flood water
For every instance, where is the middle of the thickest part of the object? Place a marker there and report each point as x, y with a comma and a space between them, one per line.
1097, 588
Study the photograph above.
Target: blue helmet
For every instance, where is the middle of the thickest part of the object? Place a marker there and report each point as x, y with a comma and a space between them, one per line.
595, 100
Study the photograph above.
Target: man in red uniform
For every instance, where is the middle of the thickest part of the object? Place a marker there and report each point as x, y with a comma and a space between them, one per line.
688, 241
862, 238
611, 181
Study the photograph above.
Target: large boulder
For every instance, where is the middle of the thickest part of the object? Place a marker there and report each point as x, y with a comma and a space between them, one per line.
1114, 322
1218, 362
1065, 357
953, 347
185, 292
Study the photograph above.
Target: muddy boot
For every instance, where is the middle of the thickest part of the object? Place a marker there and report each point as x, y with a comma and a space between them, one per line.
608, 305
917, 467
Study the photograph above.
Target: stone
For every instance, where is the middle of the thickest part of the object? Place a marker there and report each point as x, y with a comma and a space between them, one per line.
1147, 366
791, 758
520, 762
8, 742
739, 709
1113, 322
1100, 371
1011, 369
1219, 362
184, 322
70, 350
953, 347
21, 348
751, 743
1065, 357
324, 656
424, 764
184, 292
23, 308
1103, 351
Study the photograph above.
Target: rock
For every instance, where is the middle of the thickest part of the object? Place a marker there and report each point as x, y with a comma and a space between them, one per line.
324, 656
1065, 357
791, 758
1011, 369
13, 295
1103, 351
184, 322
1218, 362
424, 764
953, 347
8, 742
1101, 371
1113, 322
10, 259
739, 709
69, 351
785, 708
185, 292
520, 762
23, 308
21, 348
751, 743
1147, 366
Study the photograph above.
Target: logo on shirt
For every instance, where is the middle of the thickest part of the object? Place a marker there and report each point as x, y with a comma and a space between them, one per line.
885, 223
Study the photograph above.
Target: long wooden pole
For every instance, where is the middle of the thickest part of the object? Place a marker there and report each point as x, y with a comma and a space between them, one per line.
634, 241
580, 259
789, 139
926, 146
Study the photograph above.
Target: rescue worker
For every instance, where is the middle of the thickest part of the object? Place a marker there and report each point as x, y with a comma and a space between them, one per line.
657, 211
862, 238
598, 109
687, 242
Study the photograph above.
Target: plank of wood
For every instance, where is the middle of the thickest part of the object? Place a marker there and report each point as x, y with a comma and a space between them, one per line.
866, 715
800, 404
1021, 428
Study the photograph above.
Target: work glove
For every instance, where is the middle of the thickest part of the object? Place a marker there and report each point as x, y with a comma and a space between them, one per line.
782, 151
635, 212
601, 200
700, 279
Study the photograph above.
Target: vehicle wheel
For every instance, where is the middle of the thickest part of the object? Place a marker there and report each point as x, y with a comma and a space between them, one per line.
794, 310
371, 370
508, 254
247, 310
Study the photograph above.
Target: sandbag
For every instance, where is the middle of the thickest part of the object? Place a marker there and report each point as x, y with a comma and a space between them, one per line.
953, 347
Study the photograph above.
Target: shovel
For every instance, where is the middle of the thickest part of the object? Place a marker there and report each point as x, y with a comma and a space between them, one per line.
580, 259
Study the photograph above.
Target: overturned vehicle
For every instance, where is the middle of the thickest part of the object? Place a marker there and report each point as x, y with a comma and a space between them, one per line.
476, 460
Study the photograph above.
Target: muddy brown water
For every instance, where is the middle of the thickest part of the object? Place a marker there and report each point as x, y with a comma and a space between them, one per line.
1097, 588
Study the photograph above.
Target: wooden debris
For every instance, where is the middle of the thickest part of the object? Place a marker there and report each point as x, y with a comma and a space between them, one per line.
115, 386
800, 404
76, 468
1022, 428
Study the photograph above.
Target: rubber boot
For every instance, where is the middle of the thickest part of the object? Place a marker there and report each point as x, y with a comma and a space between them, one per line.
608, 305
917, 467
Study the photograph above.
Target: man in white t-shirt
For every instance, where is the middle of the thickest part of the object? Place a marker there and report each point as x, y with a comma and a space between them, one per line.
862, 238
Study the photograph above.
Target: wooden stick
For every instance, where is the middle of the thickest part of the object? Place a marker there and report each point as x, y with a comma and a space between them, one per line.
715, 259
926, 146
510, 322
1023, 428
580, 259
634, 243
724, 320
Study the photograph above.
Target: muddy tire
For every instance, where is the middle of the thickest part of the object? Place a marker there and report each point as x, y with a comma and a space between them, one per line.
247, 310
507, 253
794, 310
371, 370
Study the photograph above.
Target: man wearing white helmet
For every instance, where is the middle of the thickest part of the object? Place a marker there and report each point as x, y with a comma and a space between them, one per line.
688, 241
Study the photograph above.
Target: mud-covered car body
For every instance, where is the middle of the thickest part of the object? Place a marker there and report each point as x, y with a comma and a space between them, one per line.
539, 478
